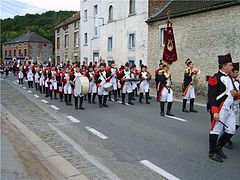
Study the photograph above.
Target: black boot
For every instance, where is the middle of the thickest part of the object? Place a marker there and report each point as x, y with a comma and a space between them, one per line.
76, 102
136, 93
184, 106
192, 105
213, 152
115, 95
169, 107
81, 103
100, 101
61, 96
36, 86
119, 92
133, 96
40, 89
147, 98
55, 94
66, 99
130, 99
162, 104
225, 137
44, 89
85, 97
140, 98
229, 144
105, 101
50, 93
123, 98
70, 99
47, 92
110, 96
29, 84
93, 99
89, 98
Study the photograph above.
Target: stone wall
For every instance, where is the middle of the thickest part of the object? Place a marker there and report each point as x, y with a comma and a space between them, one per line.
200, 37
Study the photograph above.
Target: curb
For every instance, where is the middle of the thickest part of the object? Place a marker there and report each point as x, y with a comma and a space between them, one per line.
66, 169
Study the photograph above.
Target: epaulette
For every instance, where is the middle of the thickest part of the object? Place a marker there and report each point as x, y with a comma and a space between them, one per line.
160, 72
212, 81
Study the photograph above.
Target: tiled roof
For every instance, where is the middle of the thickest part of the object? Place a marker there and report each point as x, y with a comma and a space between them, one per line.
179, 8
28, 37
70, 20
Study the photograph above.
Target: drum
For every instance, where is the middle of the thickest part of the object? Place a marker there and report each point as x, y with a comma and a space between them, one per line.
108, 86
81, 85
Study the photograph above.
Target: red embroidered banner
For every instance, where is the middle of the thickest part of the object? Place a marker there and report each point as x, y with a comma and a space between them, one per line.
169, 52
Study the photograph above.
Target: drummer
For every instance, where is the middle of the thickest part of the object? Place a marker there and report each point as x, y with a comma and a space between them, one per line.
101, 78
76, 93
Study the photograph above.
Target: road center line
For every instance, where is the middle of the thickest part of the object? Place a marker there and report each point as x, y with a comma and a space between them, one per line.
73, 119
90, 158
55, 107
158, 170
43, 100
179, 119
37, 96
97, 133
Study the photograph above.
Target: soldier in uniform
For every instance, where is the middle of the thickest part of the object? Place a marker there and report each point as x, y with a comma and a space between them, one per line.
60, 80
76, 93
101, 78
236, 103
165, 92
188, 87
30, 79
158, 72
92, 85
221, 95
53, 87
145, 77
68, 78
125, 76
113, 71
36, 79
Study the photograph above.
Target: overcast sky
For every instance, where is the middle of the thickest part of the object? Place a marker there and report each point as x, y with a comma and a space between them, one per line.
11, 8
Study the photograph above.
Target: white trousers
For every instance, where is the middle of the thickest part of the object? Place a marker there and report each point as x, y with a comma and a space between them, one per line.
127, 87
67, 89
228, 117
190, 93
144, 86
92, 88
167, 95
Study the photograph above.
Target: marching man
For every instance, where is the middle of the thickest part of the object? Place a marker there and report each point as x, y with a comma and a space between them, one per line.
30, 79
113, 71
60, 80
188, 87
68, 78
76, 92
20, 76
36, 79
165, 92
145, 77
53, 87
221, 94
92, 85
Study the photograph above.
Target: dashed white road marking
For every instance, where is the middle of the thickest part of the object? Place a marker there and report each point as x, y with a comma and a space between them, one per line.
43, 100
120, 102
90, 158
37, 96
55, 107
20, 85
30, 91
73, 119
24, 88
14, 82
97, 133
158, 170
179, 119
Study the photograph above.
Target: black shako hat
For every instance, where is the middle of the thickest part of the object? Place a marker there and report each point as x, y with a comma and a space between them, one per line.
224, 59
236, 66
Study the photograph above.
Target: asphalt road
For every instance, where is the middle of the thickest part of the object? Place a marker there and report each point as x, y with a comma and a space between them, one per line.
138, 132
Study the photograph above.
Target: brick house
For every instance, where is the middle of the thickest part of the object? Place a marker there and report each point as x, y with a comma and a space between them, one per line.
67, 40
202, 29
30, 46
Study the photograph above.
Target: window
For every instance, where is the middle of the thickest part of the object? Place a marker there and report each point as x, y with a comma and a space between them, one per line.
85, 39
58, 42
5, 53
131, 41
131, 60
14, 53
20, 52
95, 10
76, 25
109, 43
162, 35
10, 53
85, 59
58, 31
95, 31
58, 59
110, 14
25, 52
131, 6
66, 40
140, 63
76, 39
65, 28
85, 15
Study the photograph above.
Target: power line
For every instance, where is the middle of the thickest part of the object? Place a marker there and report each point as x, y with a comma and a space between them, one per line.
22, 3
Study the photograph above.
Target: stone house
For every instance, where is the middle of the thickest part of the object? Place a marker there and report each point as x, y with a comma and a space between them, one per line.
67, 40
202, 29
29, 46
